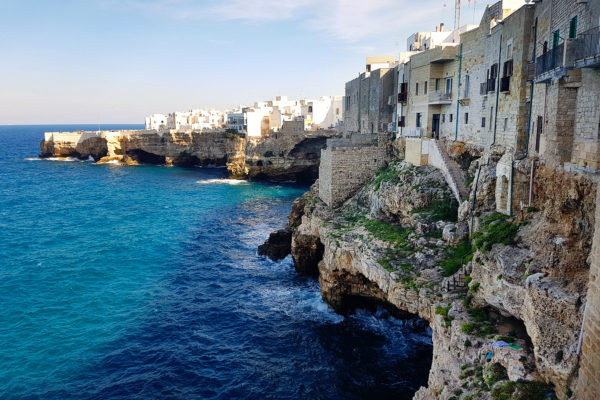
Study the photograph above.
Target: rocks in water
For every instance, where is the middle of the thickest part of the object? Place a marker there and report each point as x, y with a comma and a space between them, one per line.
307, 251
277, 246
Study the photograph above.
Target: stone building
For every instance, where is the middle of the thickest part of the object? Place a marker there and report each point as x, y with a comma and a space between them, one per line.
566, 105
348, 163
370, 101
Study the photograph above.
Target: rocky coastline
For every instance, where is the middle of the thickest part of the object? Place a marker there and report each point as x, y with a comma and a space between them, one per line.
502, 294
282, 156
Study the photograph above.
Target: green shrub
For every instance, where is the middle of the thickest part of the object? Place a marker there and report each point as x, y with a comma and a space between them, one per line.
468, 279
494, 373
532, 209
385, 174
494, 229
443, 311
468, 343
455, 256
474, 287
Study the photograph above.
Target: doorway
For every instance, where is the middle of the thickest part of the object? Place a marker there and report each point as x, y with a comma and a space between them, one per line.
435, 126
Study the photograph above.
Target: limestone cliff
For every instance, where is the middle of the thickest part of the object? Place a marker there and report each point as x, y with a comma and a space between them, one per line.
401, 242
281, 156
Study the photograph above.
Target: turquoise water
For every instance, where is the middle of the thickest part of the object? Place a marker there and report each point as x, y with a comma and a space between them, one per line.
143, 282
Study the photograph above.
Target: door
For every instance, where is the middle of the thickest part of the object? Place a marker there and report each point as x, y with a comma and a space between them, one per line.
538, 134
435, 126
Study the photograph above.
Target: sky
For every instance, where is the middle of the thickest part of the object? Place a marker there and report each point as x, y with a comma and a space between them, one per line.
116, 61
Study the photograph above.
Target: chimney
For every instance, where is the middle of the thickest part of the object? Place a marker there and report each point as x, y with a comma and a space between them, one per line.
442, 27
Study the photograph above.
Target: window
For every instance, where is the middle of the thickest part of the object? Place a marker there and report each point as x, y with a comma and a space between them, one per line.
450, 117
417, 88
509, 48
555, 38
573, 28
449, 86
494, 71
425, 88
443, 118
437, 84
467, 86
466, 118
545, 47
507, 69
418, 120
483, 122
337, 111
505, 124
309, 109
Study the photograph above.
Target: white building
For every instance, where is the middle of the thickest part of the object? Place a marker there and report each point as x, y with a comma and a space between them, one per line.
156, 122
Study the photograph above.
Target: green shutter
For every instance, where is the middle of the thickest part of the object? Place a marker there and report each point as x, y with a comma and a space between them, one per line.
573, 28
555, 38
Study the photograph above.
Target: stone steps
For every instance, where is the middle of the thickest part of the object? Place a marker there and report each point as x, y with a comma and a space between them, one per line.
455, 172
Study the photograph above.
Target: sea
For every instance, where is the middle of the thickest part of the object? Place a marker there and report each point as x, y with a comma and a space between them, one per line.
143, 282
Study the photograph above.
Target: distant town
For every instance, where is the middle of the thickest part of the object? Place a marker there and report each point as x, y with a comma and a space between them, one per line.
257, 120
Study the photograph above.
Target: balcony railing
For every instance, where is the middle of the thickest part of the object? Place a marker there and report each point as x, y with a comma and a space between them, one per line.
587, 48
505, 84
413, 132
402, 97
440, 97
491, 85
550, 60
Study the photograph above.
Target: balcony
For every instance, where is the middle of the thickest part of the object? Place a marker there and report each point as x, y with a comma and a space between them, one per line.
440, 98
443, 54
402, 97
549, 61
491, 85
586, 49
413, 132
505, 84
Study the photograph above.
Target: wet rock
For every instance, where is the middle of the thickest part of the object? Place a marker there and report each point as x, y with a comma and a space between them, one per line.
278, 246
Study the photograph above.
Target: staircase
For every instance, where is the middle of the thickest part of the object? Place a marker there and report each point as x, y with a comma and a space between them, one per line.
438, 157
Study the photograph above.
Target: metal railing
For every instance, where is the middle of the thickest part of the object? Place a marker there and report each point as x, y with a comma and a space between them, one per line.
587, 45
440, 97
550, 60
413, 132
402, 97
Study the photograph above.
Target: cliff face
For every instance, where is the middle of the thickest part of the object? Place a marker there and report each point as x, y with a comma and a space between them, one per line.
397, 243
279, 157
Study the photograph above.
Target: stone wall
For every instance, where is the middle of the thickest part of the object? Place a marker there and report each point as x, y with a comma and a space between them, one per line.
346, 165
589, 377
416, 151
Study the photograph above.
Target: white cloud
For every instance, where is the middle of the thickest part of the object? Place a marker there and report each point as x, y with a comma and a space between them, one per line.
347, 21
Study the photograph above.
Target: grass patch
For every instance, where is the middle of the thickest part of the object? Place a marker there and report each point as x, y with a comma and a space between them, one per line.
523, 390
443, 311
385, 174
494, 229
394, 234
440, 210
456, 256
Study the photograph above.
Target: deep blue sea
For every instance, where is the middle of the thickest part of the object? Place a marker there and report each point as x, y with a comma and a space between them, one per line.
143, 282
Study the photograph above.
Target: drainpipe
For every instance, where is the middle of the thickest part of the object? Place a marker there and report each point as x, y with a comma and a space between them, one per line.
526, 153
458, 94
497, 90
530, 96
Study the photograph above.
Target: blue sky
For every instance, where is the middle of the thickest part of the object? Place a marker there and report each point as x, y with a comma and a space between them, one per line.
115, 61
